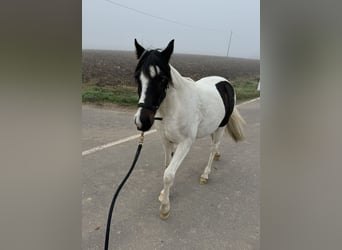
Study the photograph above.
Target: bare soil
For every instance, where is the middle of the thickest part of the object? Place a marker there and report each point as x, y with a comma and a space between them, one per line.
102, 67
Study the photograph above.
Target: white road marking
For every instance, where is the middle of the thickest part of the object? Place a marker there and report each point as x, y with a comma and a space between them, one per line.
114, 143
133, 137
250, 101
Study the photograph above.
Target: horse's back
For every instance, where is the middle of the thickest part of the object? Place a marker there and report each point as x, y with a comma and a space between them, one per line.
213, 83
211, 80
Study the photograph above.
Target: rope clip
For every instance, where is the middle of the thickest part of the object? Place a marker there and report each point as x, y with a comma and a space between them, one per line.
141, 138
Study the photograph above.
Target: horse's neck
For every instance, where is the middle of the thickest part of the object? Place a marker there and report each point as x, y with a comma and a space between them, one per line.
179, 81
177, 78
177, 96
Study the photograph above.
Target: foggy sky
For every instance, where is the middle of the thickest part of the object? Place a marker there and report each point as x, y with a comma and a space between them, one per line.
108, 26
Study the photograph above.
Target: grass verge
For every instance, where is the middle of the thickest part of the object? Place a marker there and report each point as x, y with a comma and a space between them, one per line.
246, 88
122, 95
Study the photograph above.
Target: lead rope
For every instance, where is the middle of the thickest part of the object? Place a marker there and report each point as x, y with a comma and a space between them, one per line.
110, 213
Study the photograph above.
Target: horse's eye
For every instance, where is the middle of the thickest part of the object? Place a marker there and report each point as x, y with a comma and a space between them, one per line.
164, 80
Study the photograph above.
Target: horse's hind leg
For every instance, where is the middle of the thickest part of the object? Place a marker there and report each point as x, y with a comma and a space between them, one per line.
214, 153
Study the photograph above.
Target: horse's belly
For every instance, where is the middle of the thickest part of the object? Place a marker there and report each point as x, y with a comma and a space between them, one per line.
209, 125
211, 116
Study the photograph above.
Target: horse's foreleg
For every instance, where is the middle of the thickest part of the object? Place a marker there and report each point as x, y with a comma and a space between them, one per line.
168, 150
169, 175
214, 154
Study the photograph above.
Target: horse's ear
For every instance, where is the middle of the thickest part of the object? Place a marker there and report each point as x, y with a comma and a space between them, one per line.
138, 48
166, 53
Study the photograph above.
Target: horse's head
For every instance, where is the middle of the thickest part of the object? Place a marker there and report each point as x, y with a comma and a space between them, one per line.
153, 77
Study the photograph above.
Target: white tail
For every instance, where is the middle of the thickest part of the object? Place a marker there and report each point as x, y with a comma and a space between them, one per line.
235, 126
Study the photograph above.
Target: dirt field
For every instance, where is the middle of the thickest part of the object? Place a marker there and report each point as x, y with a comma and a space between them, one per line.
117, 67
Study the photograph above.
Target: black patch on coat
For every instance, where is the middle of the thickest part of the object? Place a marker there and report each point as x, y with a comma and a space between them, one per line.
227, 94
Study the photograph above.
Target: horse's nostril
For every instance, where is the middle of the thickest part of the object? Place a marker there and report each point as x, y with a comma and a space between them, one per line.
137, 123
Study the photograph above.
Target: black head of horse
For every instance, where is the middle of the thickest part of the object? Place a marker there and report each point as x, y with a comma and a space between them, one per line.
153, 77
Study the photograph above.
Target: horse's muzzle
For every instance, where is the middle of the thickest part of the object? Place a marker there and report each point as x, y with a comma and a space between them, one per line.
144, 119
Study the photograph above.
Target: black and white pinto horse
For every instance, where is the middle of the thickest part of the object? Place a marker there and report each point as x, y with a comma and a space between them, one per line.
186, 109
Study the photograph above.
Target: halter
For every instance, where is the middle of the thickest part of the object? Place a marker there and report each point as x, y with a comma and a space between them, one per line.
151, 108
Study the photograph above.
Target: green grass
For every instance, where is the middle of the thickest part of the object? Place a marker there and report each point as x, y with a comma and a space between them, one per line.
245, 87
122, 95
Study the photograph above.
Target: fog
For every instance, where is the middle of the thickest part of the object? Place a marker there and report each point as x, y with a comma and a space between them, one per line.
198, 27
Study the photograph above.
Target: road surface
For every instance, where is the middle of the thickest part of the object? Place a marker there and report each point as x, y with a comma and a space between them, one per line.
223, 214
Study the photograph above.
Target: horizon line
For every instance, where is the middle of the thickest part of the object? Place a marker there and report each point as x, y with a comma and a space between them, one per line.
186, 53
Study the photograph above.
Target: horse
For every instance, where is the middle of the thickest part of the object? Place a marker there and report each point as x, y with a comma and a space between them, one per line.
184, 110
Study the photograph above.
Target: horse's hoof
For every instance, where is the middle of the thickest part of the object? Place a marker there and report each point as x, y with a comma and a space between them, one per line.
164, 211
203, 180
164, 216
217, 156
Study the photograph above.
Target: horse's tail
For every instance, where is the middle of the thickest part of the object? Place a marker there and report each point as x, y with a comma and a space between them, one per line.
235, 126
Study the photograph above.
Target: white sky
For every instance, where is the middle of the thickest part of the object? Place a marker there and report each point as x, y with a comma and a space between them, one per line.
108, 26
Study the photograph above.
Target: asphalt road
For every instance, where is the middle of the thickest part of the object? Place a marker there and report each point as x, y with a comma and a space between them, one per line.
223, 214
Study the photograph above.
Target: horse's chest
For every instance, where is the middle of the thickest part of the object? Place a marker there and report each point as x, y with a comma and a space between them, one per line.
176, 130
